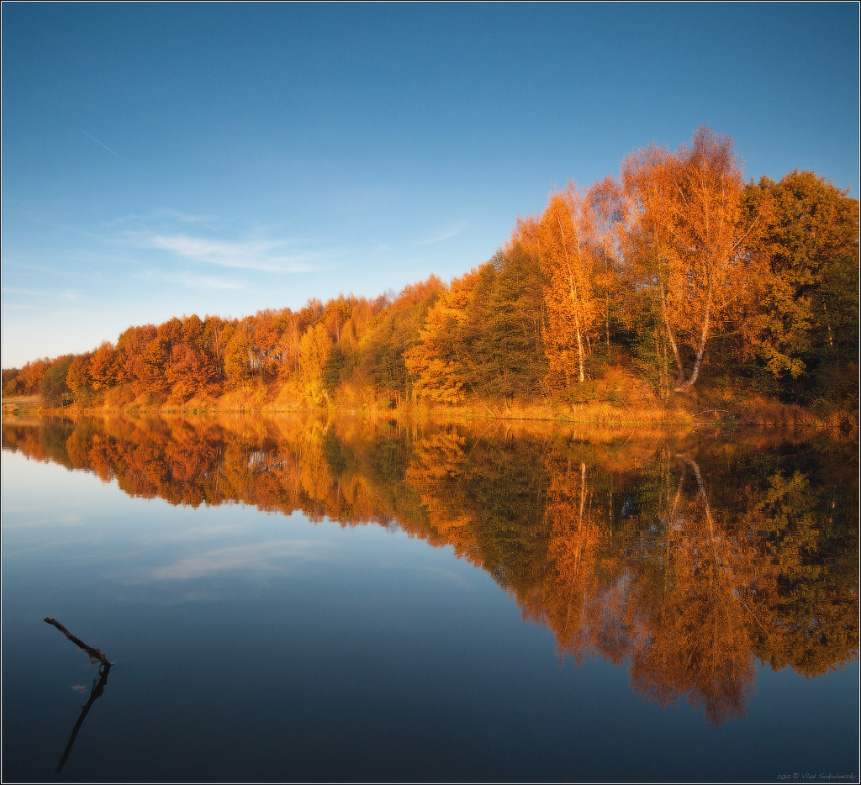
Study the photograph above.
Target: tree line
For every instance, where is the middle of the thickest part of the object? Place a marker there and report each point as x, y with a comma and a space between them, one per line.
675, 271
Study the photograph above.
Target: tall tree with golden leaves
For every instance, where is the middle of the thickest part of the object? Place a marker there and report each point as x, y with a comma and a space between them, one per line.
608, 213
685, 238
562, 240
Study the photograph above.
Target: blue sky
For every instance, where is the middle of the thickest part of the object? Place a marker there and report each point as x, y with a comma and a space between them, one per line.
162, 159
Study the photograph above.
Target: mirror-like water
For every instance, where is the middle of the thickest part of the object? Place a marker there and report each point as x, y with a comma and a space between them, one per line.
348, 601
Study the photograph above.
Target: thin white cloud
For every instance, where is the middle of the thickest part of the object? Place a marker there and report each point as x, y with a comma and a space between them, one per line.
447, 575
186, 218
163, 214
447, 234
27, 292
68, 295
248, 255
260, 556
22, 517
189, 534
102, 144
201, 281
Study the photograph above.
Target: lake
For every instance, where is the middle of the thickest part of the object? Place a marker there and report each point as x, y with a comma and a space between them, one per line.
296, 599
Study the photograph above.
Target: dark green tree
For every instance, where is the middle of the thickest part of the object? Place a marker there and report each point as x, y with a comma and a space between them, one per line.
55, 391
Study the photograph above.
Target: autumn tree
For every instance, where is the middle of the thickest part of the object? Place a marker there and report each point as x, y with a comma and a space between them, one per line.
510, 321
151, 368
288, 346
31, 375
685, 237
54, 388
562, 241
12, 384
674, 266
103, 367
239, 356
78, 378
131, 346
190, 371
314, 349
266, 328
440, 361
805, 250
393, 332
483, 336
607, 207
214, 337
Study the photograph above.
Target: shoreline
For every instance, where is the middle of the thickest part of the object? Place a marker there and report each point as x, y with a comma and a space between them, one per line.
679, 416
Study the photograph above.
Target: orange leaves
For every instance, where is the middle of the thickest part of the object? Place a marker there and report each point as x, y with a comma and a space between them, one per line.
438, 360
314, 349
638, 273
684, 238
103, 367
564, 241
190, 371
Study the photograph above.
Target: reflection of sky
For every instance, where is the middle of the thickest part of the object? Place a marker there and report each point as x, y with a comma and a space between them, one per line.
23, 498
255, 628
260, 556
89, 530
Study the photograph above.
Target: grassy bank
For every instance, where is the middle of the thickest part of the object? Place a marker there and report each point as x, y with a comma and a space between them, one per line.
702, 411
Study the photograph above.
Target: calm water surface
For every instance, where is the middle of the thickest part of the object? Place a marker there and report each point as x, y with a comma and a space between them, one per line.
347, 601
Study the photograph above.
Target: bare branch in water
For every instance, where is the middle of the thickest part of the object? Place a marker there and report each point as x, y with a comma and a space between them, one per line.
94, 654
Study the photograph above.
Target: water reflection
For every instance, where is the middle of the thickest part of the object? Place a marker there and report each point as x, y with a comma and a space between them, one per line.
96, 691
690, 563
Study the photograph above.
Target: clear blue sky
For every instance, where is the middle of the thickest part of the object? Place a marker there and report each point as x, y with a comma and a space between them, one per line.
161, 159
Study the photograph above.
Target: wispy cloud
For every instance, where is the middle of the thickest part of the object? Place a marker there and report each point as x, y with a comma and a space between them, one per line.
447, 575
67, 295
244, 255
186, 534
260, 556
201, 281
164, 215
102, 144
446, 234
186, 218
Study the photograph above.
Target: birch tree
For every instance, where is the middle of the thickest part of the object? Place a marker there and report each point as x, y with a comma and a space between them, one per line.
562, 241
685, 237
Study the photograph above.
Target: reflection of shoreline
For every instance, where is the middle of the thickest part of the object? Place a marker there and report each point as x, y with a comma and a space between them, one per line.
689, 564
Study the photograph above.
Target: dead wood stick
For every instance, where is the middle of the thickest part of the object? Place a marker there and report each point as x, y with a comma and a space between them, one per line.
96, 654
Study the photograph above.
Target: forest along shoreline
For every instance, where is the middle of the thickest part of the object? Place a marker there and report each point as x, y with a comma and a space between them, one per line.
674, 296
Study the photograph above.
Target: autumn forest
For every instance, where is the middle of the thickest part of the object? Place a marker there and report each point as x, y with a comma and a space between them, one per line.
676, 277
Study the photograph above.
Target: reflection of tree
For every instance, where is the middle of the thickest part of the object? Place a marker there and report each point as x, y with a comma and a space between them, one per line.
577, 528
485, 496
686, 566
694, 640
433, 472
806, 602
